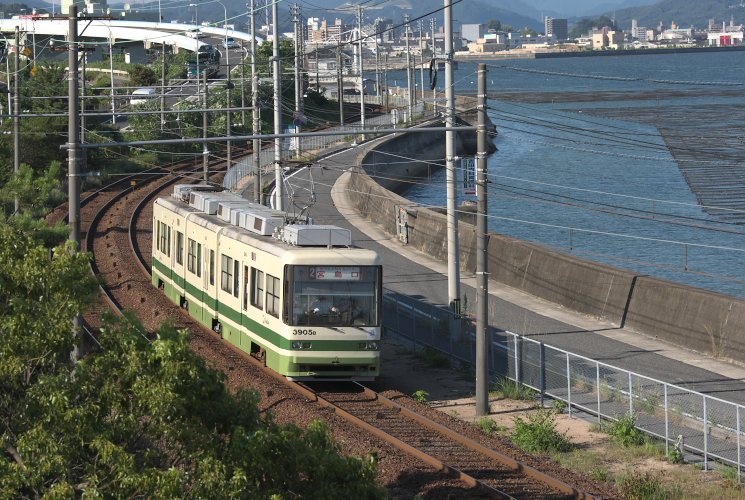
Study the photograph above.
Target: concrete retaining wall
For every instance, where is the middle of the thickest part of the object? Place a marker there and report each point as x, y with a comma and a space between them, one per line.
686, 316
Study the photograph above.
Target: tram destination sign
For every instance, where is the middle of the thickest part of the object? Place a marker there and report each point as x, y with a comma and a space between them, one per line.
334, 273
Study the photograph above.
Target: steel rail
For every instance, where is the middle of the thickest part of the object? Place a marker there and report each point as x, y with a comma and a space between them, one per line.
473, 445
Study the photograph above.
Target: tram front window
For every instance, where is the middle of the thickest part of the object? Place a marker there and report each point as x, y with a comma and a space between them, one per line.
334, 295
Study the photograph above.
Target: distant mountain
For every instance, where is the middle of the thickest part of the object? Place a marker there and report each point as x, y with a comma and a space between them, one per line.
580, 8
684, 13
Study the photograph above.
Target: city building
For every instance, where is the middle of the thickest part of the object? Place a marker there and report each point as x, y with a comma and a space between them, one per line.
557, 28
473, 32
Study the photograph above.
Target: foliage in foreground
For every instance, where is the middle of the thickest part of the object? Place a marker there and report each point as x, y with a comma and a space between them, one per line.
638, 486
139, 419
539, 435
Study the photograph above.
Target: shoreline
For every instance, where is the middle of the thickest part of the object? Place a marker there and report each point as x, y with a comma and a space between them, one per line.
595, 53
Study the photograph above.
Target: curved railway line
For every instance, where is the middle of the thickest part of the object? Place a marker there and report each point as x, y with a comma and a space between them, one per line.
116, 222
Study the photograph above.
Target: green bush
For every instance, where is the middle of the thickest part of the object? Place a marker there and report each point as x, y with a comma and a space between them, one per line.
539, 435
560, 406
624, 431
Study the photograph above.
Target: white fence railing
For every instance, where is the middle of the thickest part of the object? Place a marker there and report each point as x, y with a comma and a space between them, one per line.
702, 424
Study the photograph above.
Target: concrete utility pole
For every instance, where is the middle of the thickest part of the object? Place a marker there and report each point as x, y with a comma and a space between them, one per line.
409, 79
451, 181
298, 82
205, 127
340, 79
256, 125
362, 76
277, 110
482, 261
73, 143
17, 114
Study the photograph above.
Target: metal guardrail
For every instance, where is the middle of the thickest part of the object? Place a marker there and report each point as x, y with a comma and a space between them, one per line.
694, 422
312, 146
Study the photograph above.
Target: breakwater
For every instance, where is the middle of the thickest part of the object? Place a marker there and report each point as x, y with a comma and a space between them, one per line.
691, 317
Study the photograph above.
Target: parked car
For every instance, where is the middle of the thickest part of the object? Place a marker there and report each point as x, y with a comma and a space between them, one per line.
229, 42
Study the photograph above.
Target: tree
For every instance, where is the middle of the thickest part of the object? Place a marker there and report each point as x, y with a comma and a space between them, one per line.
142, 76
584, 26
141, 418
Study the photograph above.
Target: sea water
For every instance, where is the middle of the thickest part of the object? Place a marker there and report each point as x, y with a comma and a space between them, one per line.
608, 189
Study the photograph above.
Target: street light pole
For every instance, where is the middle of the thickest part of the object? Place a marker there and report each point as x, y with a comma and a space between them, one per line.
16, 114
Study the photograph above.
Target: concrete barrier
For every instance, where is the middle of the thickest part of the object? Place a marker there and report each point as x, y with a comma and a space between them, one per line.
689, 317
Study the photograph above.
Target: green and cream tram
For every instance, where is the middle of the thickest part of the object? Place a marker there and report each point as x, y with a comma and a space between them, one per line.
298, 296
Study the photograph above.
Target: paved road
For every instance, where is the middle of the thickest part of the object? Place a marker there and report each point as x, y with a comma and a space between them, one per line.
415, 274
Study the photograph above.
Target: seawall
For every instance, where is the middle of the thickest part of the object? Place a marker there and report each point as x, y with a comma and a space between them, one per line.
689, 317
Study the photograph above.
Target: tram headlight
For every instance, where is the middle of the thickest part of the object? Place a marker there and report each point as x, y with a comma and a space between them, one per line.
296, 344
370, 346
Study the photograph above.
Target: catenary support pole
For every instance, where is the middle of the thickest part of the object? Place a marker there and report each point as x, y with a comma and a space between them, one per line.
482, 271
362, 75
17, 113
277, 109
451, 178
205, 127
421, 55
298, 83
73, 174
163, 87
256, 117
409, 78
340, 78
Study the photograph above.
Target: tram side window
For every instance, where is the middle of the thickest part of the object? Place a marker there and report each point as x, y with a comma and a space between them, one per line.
257, 288
199, 260
164, 238
191, 255
212, 268
226, 276
245, 288
236, 277
179, 247
272, 295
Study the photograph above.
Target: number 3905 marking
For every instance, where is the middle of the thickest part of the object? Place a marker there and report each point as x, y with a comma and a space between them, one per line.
303, 332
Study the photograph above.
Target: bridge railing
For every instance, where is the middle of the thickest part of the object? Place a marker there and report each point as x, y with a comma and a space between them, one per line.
688, 420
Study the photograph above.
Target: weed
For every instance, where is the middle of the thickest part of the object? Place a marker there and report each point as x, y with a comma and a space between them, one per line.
638, 486
539, 433
560, 406
489, 426
510, 389
421, 395
601, 474
454, 413
674, 456
624, 431
596, 427
729, 474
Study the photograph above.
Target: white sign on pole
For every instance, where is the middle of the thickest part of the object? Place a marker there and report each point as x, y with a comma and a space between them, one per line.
468, 165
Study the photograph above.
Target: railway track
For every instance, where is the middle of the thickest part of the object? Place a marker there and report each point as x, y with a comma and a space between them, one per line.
463, 468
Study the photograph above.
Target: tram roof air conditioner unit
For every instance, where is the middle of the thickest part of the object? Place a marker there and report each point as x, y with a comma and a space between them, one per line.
260, 223
182, 192
228, 210
320, 235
